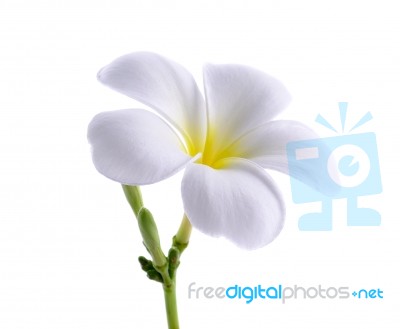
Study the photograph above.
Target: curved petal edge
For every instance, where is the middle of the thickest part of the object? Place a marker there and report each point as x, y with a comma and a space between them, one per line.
239, 202
135, 147
165, 86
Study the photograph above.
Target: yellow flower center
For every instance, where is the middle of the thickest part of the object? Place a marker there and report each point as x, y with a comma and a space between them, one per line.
216, 150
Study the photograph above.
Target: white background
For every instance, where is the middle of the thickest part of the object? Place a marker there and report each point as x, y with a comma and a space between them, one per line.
68, 240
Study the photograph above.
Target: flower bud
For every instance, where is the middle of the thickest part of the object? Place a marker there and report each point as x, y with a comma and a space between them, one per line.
155, 276
173, 257
151, 239
145, 264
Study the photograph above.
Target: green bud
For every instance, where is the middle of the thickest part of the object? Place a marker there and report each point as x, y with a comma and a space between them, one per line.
151, 239
134, 197
148, 229
173, 257
155, 276
143, 261
145, 264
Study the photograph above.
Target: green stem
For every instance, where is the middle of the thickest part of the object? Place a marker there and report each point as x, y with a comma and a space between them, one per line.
180, 242
182, 237
134, 197
171, 305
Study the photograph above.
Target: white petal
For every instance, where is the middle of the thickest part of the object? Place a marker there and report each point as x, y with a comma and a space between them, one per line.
163, 85
135, 147
239, 202
239, 99
267, 146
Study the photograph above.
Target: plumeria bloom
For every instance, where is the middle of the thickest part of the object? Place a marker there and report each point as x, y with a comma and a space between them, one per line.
224, 140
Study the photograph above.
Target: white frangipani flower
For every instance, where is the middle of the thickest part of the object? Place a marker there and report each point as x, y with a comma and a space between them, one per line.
223, 140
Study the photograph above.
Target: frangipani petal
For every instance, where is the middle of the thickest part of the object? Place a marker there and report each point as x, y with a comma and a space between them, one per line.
135, 147
267, 146
239, 99
165, 86
239, 201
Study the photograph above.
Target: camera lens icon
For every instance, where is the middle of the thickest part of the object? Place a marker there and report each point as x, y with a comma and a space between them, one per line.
348, 165
337, 167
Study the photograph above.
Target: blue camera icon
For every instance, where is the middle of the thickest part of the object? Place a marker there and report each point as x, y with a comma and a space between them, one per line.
344, 166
